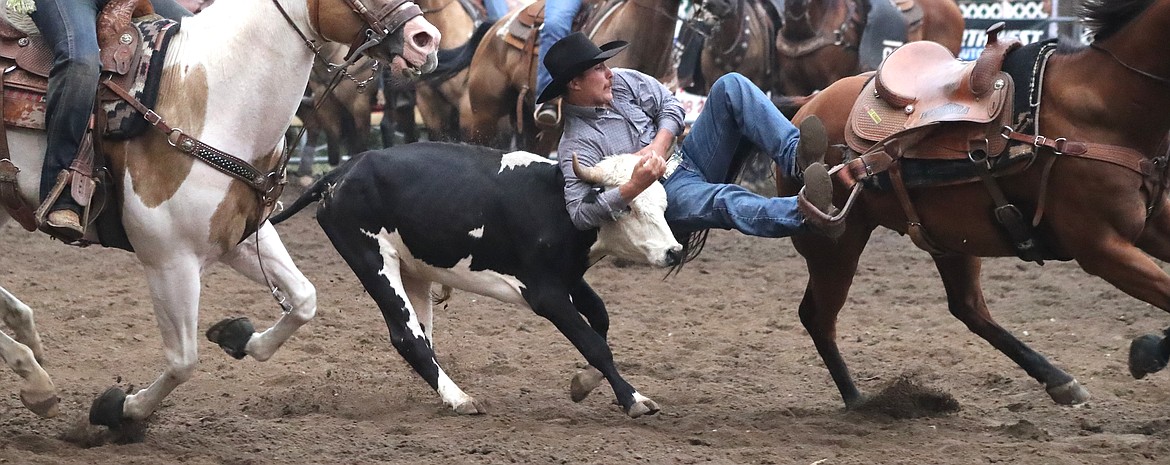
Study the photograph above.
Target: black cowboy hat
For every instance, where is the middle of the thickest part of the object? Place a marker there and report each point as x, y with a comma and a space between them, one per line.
570, 57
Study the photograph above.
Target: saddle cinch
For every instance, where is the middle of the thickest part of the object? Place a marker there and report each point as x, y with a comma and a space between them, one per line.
924, 104
131, 57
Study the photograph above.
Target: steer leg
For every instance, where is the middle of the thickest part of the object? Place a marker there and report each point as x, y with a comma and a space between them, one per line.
273, 266
24, 354
590, 306
552, 302
375, 261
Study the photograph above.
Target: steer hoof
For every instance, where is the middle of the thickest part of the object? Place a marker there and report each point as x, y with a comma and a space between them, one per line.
1146, 355
642, 406
1070, 393
232, 335
584, 382
471, 407
107, 408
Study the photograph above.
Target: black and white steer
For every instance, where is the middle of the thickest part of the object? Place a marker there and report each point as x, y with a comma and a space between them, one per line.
491, 223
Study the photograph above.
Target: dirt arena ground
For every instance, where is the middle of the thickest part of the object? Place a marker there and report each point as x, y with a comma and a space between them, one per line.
719, 347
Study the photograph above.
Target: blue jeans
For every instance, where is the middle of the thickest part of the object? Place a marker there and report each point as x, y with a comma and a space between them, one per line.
737, 118
496, 9
69, 27
558, 23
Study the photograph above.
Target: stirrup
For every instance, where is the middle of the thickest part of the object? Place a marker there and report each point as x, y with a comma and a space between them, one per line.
66, 231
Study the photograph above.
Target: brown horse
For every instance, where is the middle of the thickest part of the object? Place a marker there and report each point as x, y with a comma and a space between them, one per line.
502, 74
1097, 197
436, 99
818, 43
343, 112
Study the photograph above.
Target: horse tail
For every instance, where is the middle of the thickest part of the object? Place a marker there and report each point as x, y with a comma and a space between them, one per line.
311, 195
454, 60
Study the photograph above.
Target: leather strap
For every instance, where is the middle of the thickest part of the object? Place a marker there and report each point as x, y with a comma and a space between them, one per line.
1117, 155
1007, 214
914, 226
262, 183
10, 196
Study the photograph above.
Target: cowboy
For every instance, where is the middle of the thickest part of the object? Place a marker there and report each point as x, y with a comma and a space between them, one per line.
608, 112
69, 27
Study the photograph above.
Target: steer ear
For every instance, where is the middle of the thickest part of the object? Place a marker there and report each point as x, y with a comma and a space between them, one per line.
589, 174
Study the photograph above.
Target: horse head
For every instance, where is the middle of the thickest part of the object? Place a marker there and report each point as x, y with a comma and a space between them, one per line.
393, 31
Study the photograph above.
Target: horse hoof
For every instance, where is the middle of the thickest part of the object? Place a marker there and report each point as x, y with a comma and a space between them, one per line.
644, 406
1070, 393
471, 407
232, 335
584, 382
43, 404
107, 408
1146, 356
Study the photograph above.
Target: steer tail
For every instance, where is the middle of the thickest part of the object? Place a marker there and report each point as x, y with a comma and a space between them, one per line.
311, 195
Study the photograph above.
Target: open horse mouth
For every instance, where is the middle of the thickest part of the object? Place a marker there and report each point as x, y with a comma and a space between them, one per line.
419, 52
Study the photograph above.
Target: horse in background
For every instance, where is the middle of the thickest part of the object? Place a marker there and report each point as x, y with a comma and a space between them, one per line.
341, 114
1078, 171
502, 75
801, 46
436, 96
822, 40
221, 94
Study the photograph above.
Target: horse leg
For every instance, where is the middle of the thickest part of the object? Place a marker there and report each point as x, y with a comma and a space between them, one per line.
377, 266
174, 290
552, 302
19, 318
589, 305
960, 277
24, 355
273, 266
1148, 353
831, 268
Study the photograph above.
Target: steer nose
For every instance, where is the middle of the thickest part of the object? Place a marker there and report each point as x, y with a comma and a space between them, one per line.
674, 256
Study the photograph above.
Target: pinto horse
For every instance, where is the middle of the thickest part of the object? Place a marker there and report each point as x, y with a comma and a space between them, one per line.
1094, 189
232, 79
502, 77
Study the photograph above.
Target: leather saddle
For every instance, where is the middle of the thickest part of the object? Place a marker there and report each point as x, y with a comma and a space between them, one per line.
924, 103
523, 27
26, 60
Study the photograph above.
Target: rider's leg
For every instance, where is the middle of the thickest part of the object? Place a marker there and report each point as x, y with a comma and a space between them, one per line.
69, 27
558, 23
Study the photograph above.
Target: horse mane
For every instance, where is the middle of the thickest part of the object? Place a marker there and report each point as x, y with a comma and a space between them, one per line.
1103, 18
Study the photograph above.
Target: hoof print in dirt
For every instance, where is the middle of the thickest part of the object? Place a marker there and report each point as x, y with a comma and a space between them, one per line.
232, 335
1147, 354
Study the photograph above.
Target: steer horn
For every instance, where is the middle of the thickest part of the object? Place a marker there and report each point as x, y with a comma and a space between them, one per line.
589, 174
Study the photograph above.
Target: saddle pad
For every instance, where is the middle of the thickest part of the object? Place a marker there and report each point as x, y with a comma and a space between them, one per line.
123, 122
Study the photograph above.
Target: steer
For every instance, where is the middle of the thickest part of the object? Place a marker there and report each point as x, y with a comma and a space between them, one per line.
491, 223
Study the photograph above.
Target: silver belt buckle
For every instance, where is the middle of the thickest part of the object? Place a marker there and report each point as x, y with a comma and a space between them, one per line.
672, 165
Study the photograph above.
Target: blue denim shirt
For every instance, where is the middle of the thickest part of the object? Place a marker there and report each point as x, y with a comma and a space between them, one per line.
641, 107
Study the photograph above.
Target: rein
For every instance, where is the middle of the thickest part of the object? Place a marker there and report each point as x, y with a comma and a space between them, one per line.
1155, 77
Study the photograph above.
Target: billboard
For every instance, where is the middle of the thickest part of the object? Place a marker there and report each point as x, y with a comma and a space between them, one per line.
1029, 21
